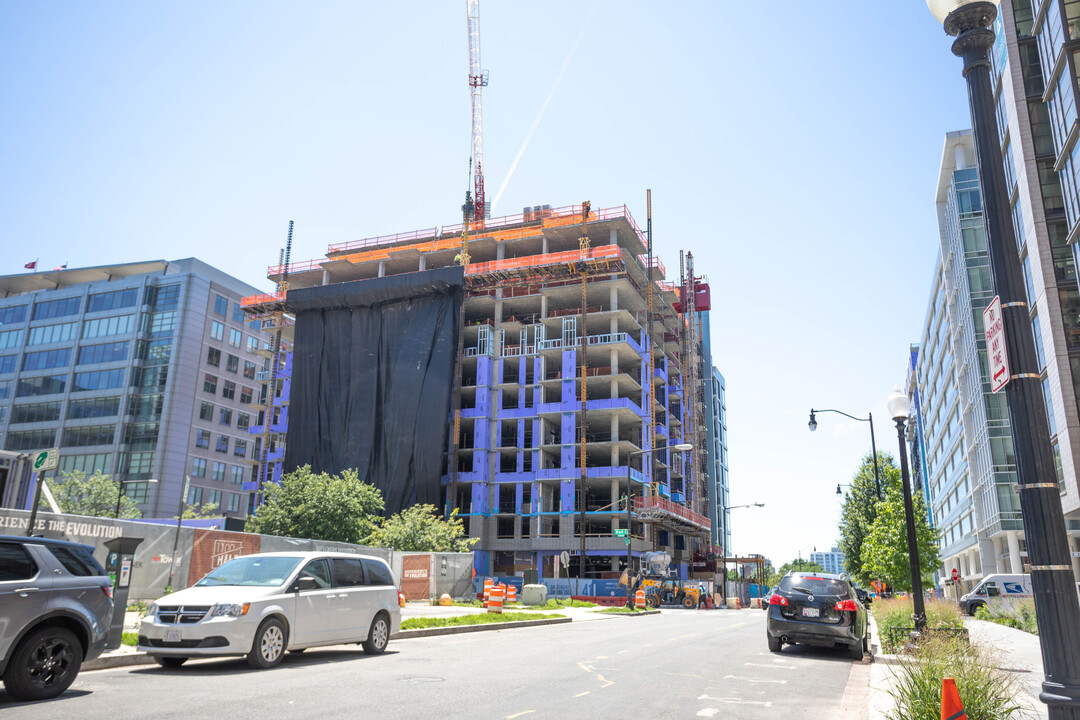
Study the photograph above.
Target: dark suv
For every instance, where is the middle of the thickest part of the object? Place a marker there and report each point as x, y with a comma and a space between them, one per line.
57, 606
817, 609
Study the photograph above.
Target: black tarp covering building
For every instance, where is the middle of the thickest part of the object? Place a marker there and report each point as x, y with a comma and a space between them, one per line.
372, 375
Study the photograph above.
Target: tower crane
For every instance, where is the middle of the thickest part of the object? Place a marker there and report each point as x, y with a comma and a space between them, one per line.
478, 79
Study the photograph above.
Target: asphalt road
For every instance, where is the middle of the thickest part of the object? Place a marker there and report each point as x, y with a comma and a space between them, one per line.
679, 664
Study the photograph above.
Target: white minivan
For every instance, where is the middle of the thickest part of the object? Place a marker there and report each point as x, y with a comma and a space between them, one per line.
262, 605
996, 585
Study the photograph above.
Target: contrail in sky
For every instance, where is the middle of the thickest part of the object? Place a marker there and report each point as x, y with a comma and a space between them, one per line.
540, 114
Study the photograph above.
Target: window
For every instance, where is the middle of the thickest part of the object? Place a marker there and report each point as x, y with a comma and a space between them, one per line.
226, 417
236, 475
222, 444
165, 297
206, 412
228, 390
15, 563
45, 385
209, 384
8, 363
239, 448
146, 407
198, 469
141, 436
113, 300
237, 313
214, 497
218, 472
93, 408
234, 502
107, 327
158, 324
98, 380
232, 364
194, 496
213, 357
88, 435
202, 439
249, 370
245, 395
377, 573
12, 315
107, 352
243, 421
252, 344
35, 412
56, 308
347, 572
52, 334
47, 359
156, 352
88, 464
217, 330
149, 377
76, 560
10, 339
319, 570
30, 440
235, 337
221, 305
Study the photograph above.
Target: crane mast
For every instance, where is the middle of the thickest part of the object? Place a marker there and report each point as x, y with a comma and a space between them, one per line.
478, 79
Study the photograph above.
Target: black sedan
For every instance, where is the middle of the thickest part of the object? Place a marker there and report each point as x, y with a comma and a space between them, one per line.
817, 609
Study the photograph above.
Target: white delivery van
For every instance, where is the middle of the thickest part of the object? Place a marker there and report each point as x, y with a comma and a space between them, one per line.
994, 586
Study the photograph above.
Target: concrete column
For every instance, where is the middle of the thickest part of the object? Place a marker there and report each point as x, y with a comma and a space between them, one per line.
544, 245
498, 311
500, 251
1016, 565
325, 277
613, 237
615, 499
613, 361
543, 306
382, 268
613, 295
613, 326
423, 262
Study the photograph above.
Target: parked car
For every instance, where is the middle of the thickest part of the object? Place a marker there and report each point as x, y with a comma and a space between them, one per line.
864, 597
996, 585
817, 609
261, 605
765, 599
55, 610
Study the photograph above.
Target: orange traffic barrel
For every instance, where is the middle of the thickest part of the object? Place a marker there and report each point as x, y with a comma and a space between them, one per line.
511, 594
951, 707
495, 600
639, 600
488, 584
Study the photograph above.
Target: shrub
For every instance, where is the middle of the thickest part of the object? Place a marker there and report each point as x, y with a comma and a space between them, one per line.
987, 693
129, 638
1019, 614
896, 613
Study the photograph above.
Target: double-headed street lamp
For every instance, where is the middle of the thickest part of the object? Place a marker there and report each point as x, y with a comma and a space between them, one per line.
1052, 580
120, 492
873, 445
680, 447
899, 406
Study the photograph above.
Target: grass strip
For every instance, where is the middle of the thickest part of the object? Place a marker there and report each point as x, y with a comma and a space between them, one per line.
621, 610
423, 623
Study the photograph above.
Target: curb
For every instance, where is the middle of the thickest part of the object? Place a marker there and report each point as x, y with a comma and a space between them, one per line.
432, 632
113, 661
639, 613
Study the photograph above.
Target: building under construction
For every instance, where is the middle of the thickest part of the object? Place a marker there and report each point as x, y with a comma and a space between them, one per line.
534, 374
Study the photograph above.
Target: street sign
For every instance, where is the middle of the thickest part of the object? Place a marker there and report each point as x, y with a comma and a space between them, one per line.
620, 532
955, 575
996, 351
46, 459
565, 558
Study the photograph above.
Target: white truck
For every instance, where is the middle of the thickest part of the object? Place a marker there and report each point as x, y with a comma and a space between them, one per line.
996, 585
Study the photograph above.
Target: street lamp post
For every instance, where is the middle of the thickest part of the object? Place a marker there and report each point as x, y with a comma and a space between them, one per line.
873, 445
899, 406
680, 447
1057, 610
120, 492
723, 511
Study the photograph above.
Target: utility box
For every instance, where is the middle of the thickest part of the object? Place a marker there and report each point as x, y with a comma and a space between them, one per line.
531, 576
534, 595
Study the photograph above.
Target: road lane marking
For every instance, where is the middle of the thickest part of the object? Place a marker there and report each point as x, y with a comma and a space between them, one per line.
736, 701
754, 680
707, 712
770, 666
690, 635
602, 657
582, 694
699, 677
622, 651
600, 677
517, 715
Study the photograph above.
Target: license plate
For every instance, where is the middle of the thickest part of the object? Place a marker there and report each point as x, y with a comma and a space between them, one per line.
173, 636
807, 612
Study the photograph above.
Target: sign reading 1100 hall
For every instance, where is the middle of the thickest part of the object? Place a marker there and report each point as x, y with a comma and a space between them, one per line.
995, 345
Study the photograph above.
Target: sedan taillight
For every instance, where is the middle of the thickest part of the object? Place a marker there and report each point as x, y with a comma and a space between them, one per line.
849, 605
777, 599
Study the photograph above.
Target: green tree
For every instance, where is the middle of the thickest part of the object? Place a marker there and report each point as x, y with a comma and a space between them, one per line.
421, 528
860, 510
885, 551
319, 507
95, 495
798, 565
205, 511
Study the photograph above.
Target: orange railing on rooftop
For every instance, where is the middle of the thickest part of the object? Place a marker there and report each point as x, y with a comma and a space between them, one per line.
296, 267
567, 256
251, 300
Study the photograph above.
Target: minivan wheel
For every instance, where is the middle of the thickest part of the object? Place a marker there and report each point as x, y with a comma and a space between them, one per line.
269, 646
378, 636
775, 644
44, 665
169, 661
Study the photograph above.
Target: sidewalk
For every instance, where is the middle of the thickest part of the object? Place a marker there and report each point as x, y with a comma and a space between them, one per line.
1013, 651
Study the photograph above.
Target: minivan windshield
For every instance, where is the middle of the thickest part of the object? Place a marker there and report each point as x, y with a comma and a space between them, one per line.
252, 571
813, 585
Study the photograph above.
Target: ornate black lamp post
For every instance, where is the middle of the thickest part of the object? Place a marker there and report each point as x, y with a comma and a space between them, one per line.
1052, 580
899, 406
873, 445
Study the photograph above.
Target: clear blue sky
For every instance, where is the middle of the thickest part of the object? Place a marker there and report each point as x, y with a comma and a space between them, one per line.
793, 147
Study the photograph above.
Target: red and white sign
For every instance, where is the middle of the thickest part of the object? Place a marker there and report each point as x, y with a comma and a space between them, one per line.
955, 575
996, 351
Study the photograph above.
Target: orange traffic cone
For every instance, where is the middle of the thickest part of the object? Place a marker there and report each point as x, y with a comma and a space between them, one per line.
951, 707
